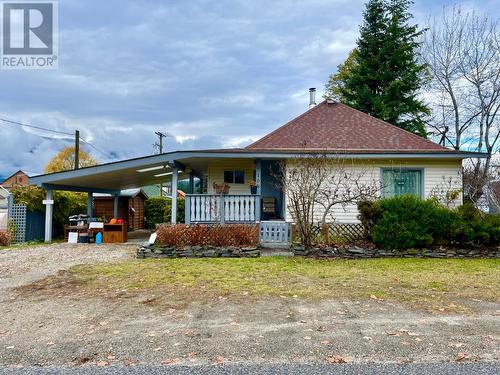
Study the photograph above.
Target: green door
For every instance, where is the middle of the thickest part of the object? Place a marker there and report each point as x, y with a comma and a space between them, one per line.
402, 182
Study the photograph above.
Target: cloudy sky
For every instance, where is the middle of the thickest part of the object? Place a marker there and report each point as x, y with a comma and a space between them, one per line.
210, 73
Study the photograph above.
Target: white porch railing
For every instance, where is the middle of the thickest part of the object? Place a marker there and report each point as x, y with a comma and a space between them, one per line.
204, 208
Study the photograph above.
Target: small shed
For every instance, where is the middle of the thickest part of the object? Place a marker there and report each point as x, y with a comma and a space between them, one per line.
130, 207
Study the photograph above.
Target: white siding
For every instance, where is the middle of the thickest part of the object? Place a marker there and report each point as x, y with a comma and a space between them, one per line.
436, 174
216, 174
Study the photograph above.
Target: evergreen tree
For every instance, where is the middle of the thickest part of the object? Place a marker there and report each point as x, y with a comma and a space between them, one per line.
384, 76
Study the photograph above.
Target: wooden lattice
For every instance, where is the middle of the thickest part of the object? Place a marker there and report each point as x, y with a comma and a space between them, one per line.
17, 214
343, 233
181, 235
334, 233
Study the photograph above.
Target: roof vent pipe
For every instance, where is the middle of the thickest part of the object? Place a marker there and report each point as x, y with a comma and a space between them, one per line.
312, 97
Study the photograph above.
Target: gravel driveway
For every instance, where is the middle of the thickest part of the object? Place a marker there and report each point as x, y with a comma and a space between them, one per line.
24, 265
66, 329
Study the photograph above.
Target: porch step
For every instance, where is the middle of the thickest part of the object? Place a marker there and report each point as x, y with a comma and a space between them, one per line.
284, 251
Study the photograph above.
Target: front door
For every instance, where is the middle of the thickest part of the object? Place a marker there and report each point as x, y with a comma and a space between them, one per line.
272, 196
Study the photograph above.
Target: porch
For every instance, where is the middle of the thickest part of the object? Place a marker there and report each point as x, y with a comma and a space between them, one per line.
233, 191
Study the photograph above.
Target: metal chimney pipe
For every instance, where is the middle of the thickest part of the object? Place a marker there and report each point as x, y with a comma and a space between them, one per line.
312, 97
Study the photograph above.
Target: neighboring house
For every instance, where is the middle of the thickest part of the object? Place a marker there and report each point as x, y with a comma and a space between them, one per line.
154, 191
403, 161
492, 198
130, 207
18, 178
4, 208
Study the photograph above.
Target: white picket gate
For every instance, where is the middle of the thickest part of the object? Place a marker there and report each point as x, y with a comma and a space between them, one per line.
275, 232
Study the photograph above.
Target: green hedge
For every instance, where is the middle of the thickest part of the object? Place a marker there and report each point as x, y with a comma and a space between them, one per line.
409, 222
159, 210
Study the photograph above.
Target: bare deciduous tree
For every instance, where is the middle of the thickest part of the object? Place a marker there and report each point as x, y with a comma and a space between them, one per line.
447, 192
345, 185
462, 51
315, 184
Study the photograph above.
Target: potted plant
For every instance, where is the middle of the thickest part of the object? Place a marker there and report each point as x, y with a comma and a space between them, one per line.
253, 187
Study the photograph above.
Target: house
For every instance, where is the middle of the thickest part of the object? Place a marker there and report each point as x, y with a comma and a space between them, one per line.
154, 191
130, 207
4, 208
405, 162
18, 178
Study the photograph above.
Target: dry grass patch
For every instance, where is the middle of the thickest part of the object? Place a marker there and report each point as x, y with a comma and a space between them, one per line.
435, 284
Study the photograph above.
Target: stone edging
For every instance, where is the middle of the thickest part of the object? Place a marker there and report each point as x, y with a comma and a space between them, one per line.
354, 252
158, 251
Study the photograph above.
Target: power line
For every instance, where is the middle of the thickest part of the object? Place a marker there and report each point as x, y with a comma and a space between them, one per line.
54, 131
95, 148
34, 127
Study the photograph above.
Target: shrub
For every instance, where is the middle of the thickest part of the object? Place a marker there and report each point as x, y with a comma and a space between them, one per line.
154, 210
5, 238
180, 211
407, 221
181, 235
159, 210
369, 213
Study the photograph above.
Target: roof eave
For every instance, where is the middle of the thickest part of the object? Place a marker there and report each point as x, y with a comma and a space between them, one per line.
221, 154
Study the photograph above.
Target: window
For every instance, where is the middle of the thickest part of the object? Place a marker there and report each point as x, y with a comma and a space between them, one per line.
234, 177
402, 182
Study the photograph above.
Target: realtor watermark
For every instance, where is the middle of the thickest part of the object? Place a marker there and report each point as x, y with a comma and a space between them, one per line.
29, 34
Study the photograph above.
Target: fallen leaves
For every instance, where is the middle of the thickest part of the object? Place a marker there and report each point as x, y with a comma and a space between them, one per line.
170, 361
337, 359
403, 361
322, 329
220, 360
81, 360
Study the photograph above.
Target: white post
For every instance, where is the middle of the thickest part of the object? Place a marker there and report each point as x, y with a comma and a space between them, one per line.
89, 204
115, 206
173, 219
49, 209
258, 181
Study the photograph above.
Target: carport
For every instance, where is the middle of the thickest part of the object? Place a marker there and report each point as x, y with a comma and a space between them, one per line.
113, 177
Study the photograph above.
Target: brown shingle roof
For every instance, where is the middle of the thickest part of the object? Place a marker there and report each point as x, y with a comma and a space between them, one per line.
338, 127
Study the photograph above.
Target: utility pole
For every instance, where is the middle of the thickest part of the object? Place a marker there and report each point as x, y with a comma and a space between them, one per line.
77, 149
160, 146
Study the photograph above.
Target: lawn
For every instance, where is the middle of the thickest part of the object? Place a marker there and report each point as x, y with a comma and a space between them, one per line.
434, 284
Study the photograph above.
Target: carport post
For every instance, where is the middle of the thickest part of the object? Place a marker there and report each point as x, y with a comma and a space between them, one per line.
173, 219
89, 204
115, 206
49, 209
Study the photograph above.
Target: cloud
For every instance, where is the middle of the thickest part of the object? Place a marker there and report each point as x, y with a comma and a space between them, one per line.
218, 74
